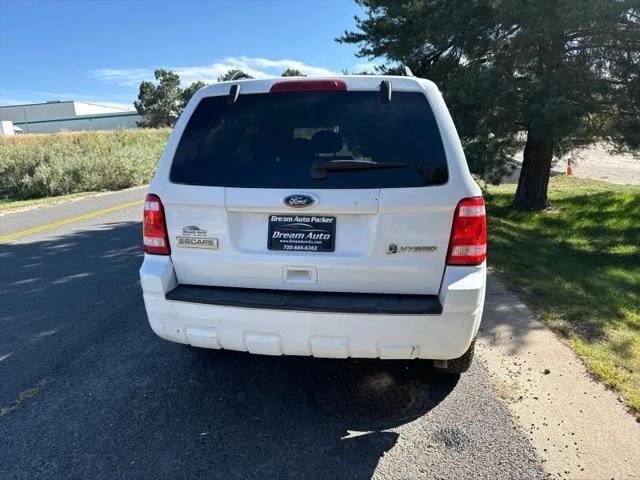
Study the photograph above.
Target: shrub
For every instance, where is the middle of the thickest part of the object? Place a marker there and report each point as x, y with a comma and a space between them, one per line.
33, 166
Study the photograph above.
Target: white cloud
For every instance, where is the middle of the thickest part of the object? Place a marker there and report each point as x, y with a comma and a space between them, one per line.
128, 77
255, 66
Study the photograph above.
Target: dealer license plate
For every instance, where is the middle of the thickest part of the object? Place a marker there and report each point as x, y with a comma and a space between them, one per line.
302, 233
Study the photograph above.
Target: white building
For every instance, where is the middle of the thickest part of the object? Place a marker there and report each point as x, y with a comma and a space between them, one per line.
8, 128
51, 117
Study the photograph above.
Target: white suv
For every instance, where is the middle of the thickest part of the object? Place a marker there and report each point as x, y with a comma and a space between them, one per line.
326, 217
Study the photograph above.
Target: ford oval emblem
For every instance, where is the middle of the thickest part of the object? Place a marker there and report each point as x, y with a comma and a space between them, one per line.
299, 200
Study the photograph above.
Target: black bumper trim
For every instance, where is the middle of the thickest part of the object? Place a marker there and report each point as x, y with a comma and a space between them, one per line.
306, 301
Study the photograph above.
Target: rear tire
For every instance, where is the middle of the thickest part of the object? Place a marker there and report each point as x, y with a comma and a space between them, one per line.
458, 365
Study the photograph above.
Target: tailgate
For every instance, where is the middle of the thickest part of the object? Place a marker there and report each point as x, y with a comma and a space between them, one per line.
386, 241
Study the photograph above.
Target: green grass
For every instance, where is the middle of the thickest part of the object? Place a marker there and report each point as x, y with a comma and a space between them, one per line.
40, 166
577, 265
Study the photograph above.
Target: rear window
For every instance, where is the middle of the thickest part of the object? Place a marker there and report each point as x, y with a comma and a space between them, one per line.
271, 140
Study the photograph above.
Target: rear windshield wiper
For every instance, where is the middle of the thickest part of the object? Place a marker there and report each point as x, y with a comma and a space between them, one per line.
319, 169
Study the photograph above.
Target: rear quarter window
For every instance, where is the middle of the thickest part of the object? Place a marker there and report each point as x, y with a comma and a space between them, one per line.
271, 140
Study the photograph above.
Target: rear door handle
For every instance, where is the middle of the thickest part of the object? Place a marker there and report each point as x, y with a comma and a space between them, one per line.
300, 275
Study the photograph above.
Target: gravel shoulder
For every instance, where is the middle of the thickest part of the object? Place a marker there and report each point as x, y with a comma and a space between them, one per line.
577, 426
597, 163
594, 163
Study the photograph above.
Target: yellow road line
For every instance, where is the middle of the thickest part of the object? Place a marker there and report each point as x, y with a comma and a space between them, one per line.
42, 228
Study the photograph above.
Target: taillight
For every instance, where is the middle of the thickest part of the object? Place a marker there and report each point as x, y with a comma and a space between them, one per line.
468, 244
309, 86
154, 228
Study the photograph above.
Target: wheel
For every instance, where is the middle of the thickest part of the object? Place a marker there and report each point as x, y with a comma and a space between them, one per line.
456, 365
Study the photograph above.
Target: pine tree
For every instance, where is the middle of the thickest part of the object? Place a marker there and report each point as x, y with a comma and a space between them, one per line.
541, 75
160, 104
233, 74
292, 72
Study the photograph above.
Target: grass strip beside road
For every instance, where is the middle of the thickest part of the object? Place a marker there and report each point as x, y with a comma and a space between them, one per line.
577, 265
9, 205
65, 221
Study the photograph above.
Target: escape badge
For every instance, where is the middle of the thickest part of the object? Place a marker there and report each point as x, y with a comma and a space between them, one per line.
196, 237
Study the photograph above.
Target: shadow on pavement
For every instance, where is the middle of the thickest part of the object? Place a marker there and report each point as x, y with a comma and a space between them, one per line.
117, 402
363, 394
373, 394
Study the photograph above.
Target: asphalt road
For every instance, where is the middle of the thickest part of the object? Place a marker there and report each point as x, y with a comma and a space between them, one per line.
88, 391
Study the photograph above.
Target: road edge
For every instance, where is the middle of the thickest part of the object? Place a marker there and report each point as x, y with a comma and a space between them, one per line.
70, 200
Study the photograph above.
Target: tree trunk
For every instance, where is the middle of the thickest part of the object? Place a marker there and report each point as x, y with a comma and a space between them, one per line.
534, 176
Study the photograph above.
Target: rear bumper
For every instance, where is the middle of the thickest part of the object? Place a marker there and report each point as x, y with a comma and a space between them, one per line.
272, 331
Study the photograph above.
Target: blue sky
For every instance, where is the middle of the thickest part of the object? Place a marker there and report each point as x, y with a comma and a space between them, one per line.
100, 51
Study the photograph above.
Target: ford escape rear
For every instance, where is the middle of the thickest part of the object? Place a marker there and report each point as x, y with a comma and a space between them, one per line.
330, 217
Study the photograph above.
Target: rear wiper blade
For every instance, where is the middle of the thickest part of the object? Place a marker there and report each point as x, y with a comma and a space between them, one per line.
319, 169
